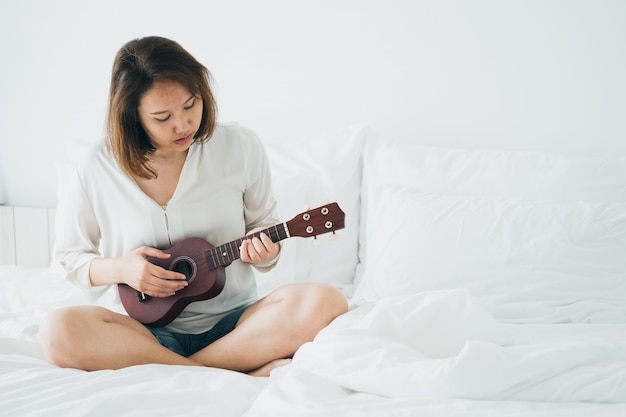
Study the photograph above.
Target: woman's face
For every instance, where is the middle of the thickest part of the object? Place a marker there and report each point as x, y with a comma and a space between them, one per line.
171, 116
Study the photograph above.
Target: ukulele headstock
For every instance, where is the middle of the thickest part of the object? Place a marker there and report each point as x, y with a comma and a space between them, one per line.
324, 219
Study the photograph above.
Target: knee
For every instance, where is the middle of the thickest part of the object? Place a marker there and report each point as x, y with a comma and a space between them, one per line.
318, 304
328, 300
59, 336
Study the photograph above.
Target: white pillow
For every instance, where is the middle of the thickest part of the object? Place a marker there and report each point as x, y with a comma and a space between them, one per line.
500, 174
488, 173
484, 174
526, 261
308, 172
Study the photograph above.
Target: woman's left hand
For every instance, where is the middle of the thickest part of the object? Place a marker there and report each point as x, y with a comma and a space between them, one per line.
258, 250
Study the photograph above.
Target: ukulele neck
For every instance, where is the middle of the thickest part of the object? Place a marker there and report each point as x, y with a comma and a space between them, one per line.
225, 254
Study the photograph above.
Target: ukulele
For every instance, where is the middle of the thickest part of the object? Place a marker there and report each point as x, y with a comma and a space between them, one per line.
204, 265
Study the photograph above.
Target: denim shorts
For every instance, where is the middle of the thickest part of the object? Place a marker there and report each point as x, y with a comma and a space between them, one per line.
188, 344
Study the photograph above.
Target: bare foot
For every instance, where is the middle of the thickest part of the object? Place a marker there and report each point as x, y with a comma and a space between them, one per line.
268, 367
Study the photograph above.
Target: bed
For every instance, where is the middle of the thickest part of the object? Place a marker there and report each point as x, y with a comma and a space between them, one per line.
481, 283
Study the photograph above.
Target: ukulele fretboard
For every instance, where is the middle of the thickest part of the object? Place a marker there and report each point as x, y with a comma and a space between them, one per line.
225, 254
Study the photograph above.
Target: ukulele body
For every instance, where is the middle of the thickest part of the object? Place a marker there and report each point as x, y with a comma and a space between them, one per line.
188, 258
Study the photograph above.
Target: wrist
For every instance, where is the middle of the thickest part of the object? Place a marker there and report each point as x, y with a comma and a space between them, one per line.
102, 271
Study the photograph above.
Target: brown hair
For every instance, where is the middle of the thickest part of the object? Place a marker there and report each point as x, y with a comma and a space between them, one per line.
137, 65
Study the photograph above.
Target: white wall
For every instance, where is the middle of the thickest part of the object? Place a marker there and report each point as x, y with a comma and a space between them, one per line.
527, 74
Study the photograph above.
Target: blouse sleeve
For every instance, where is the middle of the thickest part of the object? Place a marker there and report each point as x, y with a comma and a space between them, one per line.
77, 231
260, 207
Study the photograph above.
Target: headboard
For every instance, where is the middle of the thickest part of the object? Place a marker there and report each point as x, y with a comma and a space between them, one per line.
26, 235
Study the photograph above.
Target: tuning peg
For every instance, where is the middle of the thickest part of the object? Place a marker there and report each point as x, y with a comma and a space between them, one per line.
306, 207
335, 236
316, 241
325, 201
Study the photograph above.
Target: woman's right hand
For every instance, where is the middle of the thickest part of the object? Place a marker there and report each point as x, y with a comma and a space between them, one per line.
137, 272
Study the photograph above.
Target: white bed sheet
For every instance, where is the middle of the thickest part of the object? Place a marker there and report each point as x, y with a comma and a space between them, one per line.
429, 354
459, 363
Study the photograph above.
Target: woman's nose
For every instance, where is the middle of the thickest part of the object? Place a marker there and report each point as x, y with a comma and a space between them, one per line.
181, 123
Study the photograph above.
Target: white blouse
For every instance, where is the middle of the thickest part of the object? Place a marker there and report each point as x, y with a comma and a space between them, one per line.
223, 192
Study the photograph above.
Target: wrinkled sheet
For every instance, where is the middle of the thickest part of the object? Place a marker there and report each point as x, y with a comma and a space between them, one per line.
428, 354
441, 354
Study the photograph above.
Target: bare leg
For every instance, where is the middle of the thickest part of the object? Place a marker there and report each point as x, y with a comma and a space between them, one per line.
274, 328
94, 338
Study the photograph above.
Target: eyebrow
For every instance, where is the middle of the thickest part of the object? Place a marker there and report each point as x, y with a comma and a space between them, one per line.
167, 111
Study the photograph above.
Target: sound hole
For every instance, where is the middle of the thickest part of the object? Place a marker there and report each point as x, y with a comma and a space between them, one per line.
186, 267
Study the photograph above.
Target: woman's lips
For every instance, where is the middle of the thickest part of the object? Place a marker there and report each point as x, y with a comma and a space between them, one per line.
183, 141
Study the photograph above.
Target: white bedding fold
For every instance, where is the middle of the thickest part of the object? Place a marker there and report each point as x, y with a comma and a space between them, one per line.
442, 345
298, 392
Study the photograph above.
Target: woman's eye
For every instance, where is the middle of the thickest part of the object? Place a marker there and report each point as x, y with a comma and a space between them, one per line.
191, 105
163, 120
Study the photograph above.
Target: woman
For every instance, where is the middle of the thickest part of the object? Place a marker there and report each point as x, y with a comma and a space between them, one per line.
167, 172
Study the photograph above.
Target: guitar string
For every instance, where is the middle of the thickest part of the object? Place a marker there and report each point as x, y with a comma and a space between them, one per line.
218, 251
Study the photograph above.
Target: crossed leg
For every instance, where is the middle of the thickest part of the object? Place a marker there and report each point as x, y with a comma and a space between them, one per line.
273, 328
